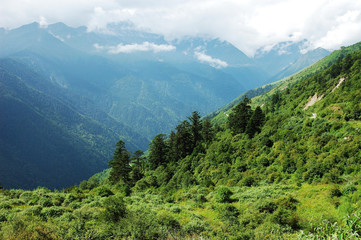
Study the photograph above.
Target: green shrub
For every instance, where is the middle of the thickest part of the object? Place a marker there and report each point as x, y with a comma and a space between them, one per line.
3, 216
248, 181
335, 192
114, 208
45, 201
349, 189
52, 212
168, 220
223, 194
34, 210
196, 226
103, 191
5, 205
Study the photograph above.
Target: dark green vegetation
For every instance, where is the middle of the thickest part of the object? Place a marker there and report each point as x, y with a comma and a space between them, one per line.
287, 172
75, 94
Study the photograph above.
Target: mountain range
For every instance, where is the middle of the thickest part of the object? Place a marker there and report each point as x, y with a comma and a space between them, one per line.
75, 92
284, 164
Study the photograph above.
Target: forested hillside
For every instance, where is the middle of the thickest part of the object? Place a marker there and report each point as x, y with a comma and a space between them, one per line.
285, 169
50, 137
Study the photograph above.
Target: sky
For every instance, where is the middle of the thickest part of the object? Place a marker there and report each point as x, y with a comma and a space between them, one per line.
247, 24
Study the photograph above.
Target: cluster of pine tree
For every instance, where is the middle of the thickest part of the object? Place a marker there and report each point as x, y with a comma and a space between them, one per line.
188, 137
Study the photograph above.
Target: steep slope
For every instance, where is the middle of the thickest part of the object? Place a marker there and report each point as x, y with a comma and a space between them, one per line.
45, 139
262, 94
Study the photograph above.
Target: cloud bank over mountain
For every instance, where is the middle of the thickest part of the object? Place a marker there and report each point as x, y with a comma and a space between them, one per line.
246, 24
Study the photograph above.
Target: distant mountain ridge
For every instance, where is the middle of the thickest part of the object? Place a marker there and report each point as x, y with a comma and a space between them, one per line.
45, 139
125, 83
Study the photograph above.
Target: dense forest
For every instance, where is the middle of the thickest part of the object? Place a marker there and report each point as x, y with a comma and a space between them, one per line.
287, 168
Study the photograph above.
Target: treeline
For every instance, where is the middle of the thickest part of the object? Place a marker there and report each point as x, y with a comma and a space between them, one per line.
190, 137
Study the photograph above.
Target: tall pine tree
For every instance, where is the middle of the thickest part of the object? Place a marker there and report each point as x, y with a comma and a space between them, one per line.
196, 128
158, 151
240, 115
120, 164
255, 123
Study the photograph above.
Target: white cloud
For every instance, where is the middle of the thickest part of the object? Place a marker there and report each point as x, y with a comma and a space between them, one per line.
214, 62
43, 23
248, 24
129, 48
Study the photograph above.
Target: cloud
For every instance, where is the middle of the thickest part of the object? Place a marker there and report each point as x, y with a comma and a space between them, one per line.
43, 23
130, 48
248, 24
214, 62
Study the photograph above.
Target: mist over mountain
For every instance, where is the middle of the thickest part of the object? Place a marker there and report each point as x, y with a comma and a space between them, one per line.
123, 83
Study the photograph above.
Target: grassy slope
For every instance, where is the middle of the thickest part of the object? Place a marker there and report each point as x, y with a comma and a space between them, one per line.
285, 82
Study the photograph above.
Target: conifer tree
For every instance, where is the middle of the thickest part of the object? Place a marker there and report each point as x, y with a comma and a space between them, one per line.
207, 131
120, 164
196, 128
184, 140
240, 115
255, 123
138, 162
172, 149
158, 150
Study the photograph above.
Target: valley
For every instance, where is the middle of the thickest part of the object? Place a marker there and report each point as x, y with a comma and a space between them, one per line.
126, 84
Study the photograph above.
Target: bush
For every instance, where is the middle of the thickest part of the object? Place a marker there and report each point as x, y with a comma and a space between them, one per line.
3, 216
335, 192
196, 226
114, 208
228, 213
142, 224
248, 181
349, 189
103, 191
45, 201
52, 212
5, 205
34, 210
168, 220
223, 194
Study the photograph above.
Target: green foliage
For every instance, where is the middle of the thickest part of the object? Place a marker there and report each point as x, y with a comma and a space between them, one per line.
120, 164
158, 151
115, 208
223, 194
241, 114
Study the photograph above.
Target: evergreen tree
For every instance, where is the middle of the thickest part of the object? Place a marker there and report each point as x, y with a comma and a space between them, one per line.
120, 164
138, 162
207, 131
172, 149
255, 123
184, 140
158, 151
240, 115
196, 128
275, 100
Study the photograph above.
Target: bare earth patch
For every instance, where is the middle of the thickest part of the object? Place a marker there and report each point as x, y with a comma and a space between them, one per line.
312, 101
339, 84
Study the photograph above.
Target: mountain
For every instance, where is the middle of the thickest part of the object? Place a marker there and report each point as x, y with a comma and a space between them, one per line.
130, 83
302, 62
47, 139
281, 56
293, 172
